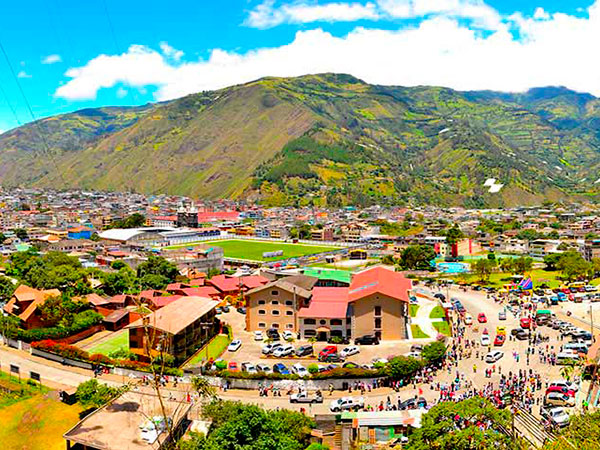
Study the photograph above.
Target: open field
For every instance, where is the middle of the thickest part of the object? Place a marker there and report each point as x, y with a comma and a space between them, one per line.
37, 423
499, 279
253, 249
118, 341
20, 390
213, 350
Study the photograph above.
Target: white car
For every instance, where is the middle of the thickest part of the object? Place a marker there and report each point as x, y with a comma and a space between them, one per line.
235, 345
557, 415
249, 367
493, 356
346, 403
284, 350
288, 335
349, 351
413, 354
258, 335
566, 384
485, 340
300, 370
270, 348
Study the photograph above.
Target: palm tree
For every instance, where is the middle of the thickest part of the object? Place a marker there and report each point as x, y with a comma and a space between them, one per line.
204, 388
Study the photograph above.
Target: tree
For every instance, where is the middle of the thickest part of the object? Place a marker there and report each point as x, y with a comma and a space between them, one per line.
506, 264
572, 265
483, 268
388, 260
92, 394
455, 426
135, 220
401, 367
434, 352
583, 432
117, 264
21, 234
551, 260
522, 264
7, 287
52, 310
123, 281
417, 257
454, 234
2, 238
157, 265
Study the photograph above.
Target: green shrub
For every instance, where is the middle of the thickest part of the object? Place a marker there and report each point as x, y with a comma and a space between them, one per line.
313, 368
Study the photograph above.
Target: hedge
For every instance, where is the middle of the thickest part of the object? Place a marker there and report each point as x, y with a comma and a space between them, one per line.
81, 321
340, 372
64, 350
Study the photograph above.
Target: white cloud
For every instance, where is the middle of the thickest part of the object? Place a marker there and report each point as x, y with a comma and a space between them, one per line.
52, 59
439, 51
23, 74
266, 15
171, 52
121, 92
541, 14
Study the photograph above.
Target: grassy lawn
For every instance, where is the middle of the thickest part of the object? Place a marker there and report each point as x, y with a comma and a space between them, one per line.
412, 309
538, 276
437, 313
119, 340
442, 327
213, 350
37, 423
20, 390
334, 266
417, 333
253, 250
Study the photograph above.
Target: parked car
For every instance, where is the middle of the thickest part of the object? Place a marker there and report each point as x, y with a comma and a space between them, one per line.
225, 309
413, 403
561, 389
281, 369
346, 404
218, 310
258, 336
270, 348
564, 383
468, 319
525, 322
557, 416
416, 348
485, 340
241, 310
264, 368
502, 315
329, 350
273, 334
232, 367
234, 346
332, 357
349, 351
368, 339
559, 399
303, 397
304, 350
493, 356
522, 335
248, 367
300, 370
284, 350
499, 340
288, 335
481, 318
413, 355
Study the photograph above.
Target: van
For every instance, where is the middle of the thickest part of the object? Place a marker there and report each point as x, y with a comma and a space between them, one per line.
575, 347
284, 350
468, 319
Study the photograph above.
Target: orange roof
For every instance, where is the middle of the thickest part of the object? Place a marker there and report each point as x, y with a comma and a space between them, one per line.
28, 298
379, 280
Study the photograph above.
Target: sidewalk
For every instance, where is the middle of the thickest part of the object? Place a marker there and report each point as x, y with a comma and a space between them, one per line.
423, 320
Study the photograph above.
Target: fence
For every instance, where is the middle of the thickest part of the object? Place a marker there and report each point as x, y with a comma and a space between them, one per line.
61, 359
81, 335
323, 385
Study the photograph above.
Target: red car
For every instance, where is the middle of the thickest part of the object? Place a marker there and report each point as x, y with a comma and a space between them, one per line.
233, 367
481, 318
499, 340
329, 350
525, 322
561, 389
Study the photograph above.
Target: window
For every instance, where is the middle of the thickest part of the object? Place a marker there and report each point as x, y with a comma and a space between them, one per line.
310, 333
261, 312
289, 326
310, 322
378, 322
336, 322
274, 302
274, 325
275, 312
289, 313
323, 322
378, 310
274, 292
262, 325
289, 303
261, 302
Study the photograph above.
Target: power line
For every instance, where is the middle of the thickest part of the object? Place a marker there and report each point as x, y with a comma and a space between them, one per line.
36, 123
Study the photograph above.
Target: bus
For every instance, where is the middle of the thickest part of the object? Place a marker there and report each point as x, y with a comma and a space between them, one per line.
543, 316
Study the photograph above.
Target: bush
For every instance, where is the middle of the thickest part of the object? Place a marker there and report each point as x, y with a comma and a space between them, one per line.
257, 376
81, 321
65, 350
346, 372
313, 368
98, 358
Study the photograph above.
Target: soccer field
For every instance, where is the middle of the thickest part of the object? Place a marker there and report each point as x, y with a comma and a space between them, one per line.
118, 341
253, 250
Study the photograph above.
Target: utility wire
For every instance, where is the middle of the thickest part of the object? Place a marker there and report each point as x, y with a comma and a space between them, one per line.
36, 123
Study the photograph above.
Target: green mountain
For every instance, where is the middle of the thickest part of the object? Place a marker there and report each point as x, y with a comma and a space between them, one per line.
326, 140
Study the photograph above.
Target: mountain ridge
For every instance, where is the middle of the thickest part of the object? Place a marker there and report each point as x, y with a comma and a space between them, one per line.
325, 139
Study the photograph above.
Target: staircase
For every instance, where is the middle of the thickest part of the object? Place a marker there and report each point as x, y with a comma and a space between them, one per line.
337, 438
531, 428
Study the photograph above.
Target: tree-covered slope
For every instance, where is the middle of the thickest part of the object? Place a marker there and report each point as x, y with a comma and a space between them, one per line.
328, 140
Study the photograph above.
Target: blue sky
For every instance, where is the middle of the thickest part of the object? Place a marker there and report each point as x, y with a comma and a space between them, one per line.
66, 56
